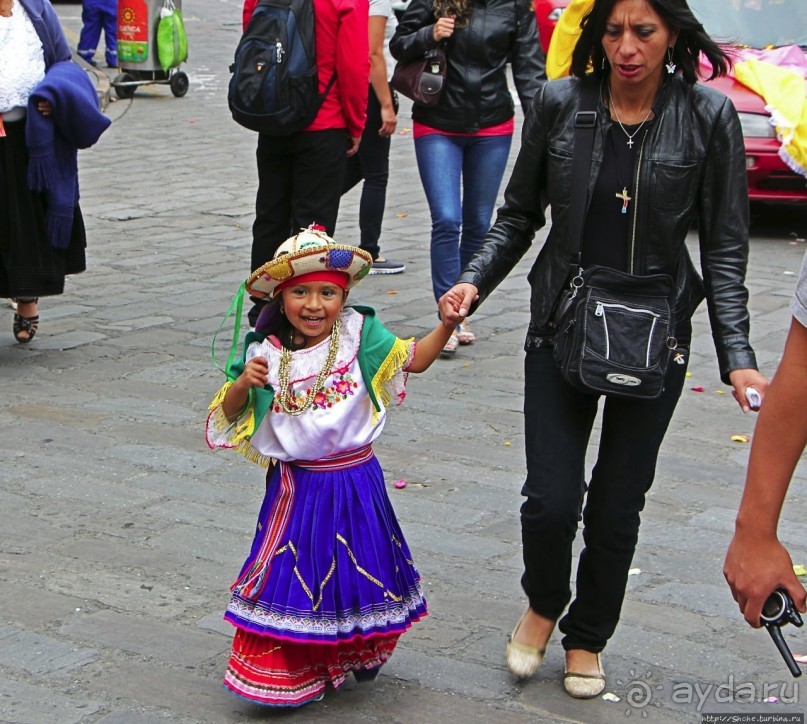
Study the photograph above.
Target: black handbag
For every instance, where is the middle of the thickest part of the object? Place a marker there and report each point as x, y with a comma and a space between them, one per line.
421, 79
614, 331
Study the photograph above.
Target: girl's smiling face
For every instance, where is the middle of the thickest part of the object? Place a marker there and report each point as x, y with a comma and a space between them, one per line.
312, 308
635, 42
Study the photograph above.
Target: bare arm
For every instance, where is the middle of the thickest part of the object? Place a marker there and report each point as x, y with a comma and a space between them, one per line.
756, 562
428, 348
378, 75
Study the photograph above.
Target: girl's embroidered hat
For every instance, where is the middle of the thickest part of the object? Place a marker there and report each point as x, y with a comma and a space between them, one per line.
311, 251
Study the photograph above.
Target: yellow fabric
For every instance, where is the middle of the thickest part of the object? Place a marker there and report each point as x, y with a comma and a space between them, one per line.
394, 361
564, 38
785, 95
239, 432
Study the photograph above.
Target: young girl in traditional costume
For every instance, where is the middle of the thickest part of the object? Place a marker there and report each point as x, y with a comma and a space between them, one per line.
329, 584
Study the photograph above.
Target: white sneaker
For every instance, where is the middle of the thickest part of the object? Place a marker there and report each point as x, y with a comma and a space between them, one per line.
385, 266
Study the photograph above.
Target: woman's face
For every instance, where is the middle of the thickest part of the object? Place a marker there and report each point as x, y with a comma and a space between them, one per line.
635, 42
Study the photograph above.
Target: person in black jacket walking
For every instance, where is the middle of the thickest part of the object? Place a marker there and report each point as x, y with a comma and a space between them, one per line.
462, 143
667, 151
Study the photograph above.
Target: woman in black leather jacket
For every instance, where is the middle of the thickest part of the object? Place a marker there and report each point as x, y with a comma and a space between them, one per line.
462, 143
674, 148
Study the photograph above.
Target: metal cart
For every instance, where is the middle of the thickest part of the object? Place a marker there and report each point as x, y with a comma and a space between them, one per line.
137, 50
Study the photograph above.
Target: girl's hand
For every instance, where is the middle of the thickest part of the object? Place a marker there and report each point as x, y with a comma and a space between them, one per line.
456, 302
256, 373
443, 28
45, 108
741, 380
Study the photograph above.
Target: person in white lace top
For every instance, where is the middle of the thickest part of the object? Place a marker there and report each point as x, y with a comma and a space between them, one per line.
31, 41
329, 585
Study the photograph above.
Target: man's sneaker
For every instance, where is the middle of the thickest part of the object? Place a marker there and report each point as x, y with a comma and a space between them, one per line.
385, 266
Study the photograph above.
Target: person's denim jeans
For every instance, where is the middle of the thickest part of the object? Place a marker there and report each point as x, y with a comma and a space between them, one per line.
461, 176
558, 421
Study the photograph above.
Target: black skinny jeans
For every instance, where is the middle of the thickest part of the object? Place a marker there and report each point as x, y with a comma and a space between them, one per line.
371, 163
299, 178
558, 421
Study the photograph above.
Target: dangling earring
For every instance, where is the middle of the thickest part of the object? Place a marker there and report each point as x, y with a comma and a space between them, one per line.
282, 311
671, 66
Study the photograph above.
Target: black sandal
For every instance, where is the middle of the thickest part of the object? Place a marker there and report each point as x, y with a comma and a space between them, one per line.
25, 325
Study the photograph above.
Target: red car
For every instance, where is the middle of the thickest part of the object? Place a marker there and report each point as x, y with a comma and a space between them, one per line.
547, 13
758, 24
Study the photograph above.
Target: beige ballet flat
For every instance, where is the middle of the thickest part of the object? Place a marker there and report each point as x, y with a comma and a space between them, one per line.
585, 686
522, 660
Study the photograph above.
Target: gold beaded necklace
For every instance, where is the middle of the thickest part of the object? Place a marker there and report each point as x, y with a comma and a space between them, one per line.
286, 397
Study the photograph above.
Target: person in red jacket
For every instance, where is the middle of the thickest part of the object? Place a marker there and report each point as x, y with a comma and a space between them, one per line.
300, 176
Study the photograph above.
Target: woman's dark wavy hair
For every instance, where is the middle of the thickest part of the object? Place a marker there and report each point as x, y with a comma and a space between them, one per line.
692, 41
460, 9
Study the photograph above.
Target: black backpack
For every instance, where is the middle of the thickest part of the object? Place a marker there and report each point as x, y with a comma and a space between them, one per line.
274, 88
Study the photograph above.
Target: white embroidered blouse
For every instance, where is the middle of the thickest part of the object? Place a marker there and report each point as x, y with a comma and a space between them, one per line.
22, 59
342, 416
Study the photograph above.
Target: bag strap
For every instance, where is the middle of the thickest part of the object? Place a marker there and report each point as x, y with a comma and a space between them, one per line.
327, 88
585, 121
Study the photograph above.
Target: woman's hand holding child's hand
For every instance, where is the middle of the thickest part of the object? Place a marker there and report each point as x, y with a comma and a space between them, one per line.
455, 304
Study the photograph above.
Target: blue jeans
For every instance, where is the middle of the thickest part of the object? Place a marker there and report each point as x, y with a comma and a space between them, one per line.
461, 177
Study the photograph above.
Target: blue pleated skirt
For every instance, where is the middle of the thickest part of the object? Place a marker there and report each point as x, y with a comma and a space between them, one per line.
329, 562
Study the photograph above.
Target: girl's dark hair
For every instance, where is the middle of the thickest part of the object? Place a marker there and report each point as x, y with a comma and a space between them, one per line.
692, 41
272, 321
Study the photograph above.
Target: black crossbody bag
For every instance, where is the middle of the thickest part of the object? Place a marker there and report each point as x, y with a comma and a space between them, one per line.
614, 330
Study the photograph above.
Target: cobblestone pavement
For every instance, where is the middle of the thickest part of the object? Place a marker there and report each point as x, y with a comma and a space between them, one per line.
121, 531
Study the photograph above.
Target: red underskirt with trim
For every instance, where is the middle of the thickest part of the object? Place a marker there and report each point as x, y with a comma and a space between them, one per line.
271, 672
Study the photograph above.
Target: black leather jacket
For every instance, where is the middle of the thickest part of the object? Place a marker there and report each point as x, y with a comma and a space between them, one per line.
476, 94
690, 167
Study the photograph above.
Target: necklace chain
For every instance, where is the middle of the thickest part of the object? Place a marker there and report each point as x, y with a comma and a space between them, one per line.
624, 130
623, 197
286, 397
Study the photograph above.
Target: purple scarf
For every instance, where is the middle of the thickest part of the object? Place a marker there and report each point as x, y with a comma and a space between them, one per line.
53, 142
